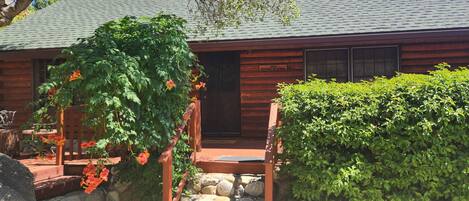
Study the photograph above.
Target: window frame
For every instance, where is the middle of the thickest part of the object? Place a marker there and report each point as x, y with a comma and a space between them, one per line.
350, 57
398, 59
305, 56
37, 64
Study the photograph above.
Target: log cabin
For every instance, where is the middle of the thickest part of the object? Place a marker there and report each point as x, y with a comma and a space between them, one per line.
344, 40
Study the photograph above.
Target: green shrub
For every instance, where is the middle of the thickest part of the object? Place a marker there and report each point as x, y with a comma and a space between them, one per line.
405, 138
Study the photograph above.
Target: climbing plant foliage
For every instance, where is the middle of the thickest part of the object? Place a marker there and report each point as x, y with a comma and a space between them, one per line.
399, 139
133, 77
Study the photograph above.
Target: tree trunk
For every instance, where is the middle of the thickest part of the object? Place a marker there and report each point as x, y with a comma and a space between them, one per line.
10, 8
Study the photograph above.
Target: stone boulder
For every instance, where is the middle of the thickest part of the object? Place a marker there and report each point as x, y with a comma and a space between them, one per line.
208, 180
16, 181
210, 190
97, 195
255, 188
225, 188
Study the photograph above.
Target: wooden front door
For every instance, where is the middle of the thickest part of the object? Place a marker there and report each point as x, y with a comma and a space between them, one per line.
221, 100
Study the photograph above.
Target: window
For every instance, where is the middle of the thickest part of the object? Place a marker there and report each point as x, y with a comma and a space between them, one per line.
328, 64
40, 73
371, 62
352, 64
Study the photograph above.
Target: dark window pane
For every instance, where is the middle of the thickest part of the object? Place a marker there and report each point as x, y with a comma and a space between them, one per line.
40, 73
371, 62
328, 64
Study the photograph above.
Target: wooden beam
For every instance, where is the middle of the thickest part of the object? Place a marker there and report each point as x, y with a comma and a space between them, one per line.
365, 39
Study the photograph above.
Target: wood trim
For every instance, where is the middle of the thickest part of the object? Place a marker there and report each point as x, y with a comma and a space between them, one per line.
49, 53
285, 43
331, 41
435, 36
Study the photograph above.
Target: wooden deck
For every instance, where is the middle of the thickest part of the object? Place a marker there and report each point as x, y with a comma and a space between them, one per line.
213, 150
44, 169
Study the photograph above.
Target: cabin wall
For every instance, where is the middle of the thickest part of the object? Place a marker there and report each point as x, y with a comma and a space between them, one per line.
259, 77
421, 57
260, 71
16, 88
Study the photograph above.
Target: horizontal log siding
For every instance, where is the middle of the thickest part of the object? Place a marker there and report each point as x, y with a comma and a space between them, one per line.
258, 87
420, 58
16, 88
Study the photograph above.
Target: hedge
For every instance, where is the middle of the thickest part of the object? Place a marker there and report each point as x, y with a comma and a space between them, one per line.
404, 138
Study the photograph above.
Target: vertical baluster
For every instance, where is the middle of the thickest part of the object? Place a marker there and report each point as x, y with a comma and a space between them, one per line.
71, 131
60, 132
168, 178
197, 127
79, 137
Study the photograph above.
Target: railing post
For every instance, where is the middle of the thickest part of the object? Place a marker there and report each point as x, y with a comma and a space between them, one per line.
269, 182
197, 127
168, 179
270, 152
60, 131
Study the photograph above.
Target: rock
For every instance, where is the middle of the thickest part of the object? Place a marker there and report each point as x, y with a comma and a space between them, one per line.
248, 179
97, 195
119, 186
201, 197
194, 186
255, 188
9, 141
225, 188
207, 198
209, 190
112, 196
9, 194
185, 198
16, 181
222, 198
221, 176
208, 180
240, 190
246, 199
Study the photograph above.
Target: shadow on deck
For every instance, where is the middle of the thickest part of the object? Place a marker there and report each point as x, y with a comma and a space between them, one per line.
232, 155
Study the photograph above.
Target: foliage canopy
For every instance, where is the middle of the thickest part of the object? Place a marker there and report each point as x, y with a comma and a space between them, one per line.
121, 75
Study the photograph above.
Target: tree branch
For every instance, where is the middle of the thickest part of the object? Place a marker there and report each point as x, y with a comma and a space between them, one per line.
9, 11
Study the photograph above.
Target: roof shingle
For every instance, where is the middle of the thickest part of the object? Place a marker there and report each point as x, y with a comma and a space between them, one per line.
61, 24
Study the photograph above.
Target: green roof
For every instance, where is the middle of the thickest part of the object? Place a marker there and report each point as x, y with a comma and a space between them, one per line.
61, 24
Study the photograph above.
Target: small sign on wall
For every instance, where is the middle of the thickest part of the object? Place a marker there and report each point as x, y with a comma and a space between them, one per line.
277, 67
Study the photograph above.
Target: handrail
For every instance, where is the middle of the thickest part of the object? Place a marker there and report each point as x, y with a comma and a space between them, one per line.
191, 118
271, 151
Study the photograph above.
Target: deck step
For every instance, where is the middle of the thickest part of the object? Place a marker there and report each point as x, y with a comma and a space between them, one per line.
231, 167
46, 172
50, 188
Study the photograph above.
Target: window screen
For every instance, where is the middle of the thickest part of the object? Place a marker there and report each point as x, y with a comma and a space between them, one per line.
328, 64
371, 62
40, 74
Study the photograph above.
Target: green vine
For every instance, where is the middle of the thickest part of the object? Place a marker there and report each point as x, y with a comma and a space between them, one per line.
134, 79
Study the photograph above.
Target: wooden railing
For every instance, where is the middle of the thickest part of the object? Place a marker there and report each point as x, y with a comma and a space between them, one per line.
271, 149
71, 129
75, 132
192, 126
